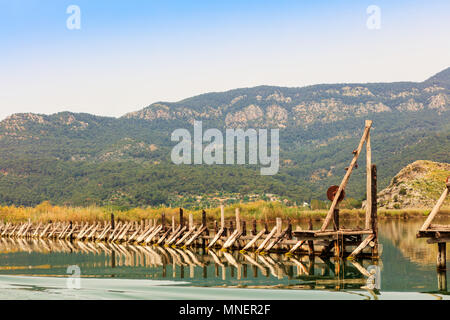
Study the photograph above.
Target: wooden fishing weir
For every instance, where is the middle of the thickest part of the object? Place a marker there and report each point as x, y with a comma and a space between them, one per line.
440, 234
327, 241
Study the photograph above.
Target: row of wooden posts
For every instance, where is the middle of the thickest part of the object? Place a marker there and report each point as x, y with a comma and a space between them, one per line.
233, 235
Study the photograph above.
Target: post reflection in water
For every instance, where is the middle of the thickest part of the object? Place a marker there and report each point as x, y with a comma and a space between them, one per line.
203, 267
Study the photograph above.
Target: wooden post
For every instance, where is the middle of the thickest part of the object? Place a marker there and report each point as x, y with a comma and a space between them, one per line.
279, 226
374, 211
336, 218
238, 219
442, 280
230, 228
204, 222
254, 231
347, 176
442, 256
310, 242
163, 221
222, 217
289, 232
369, 181
112, 221
191, 221
181, 218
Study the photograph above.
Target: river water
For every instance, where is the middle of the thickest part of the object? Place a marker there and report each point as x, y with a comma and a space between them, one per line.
56, 269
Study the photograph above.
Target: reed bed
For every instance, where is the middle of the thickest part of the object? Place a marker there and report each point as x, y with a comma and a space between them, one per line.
260, 210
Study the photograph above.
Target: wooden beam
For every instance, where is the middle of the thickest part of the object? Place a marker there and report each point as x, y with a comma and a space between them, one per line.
253, 241
196, 235
296, 246
185, 236
153, 234
347, 176
222, 228
269, 236
435, 210
361, 247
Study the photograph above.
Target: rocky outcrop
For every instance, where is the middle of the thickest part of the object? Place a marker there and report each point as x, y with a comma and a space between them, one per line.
418, 185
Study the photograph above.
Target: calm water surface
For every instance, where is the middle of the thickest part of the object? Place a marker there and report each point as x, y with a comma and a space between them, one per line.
407, 264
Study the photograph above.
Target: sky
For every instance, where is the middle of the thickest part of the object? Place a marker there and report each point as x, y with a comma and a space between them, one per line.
126, 55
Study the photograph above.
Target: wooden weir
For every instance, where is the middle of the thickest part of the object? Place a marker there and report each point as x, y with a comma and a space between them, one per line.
324, 242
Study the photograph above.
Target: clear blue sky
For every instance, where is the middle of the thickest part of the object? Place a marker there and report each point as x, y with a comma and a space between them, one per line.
129, 54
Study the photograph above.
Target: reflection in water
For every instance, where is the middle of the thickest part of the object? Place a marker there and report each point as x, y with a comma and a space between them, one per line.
407, 263
403, 236
203, 267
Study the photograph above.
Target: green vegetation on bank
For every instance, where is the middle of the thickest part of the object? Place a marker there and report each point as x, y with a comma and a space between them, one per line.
261, 211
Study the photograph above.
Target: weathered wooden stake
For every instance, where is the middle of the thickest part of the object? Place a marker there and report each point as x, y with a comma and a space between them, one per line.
369, 182
112, 221
204, 223
336, 218
191, 221
254, 231
279, 226
181, 218
163, 221
310, 242
442, 256
374, 211
222, 217
238, 219
442, 280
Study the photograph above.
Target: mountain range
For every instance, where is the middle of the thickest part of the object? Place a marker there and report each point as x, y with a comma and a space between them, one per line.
82, 159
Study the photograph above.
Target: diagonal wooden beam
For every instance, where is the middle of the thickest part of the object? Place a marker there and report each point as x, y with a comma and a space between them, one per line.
435, 210
361, 247
347, 176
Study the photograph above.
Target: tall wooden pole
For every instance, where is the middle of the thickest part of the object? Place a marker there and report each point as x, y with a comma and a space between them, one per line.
374, 211
369, 181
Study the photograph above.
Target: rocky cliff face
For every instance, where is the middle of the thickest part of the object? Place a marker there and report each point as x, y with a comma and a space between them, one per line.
280, 107
418, 185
